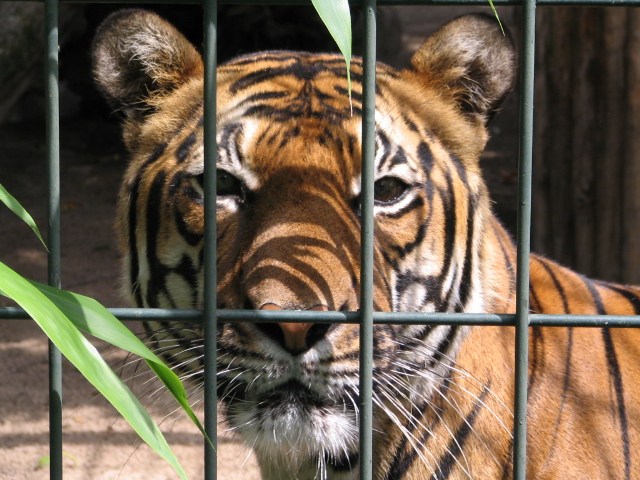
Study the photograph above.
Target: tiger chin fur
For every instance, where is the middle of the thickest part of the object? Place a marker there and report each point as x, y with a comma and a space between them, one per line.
289, 149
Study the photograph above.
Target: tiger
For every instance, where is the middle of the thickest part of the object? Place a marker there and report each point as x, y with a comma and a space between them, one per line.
289, 147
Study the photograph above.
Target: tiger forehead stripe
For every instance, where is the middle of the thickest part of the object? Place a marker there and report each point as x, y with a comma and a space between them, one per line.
228, 145
301, 65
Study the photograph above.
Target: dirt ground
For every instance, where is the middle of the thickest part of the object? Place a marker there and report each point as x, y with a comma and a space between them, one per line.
98, 444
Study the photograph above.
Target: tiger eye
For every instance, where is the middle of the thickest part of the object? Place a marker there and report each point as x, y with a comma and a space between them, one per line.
389, 189
227, 184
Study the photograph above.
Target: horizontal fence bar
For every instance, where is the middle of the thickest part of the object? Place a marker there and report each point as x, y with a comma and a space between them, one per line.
380, 318
484, 3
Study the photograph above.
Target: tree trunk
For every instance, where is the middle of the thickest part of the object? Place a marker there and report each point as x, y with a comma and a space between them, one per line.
587, 140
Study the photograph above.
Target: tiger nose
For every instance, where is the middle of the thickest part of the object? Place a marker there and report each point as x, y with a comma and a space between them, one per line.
296, 338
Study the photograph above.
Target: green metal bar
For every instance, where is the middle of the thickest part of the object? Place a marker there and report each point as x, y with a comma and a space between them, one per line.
482, 3
379, 318
366, 256
523, 238
210, 239
53, 228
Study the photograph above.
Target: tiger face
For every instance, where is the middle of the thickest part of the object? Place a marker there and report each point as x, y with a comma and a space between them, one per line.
288, 215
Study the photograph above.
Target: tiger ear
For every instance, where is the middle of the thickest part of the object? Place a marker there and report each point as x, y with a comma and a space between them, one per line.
473, 60
137, 55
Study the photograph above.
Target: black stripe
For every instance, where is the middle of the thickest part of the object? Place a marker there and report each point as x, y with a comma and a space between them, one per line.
409, 123
426, 157
467, 269
192, 238
507, 260
456, 445
187, 270
255, 77
157, 271
402, 461
537, 356
507, 468
556, 283
356, 97
351, 145
385, 146
134, 267
445, 344
287, 55
228, 132
616, 376
176, 183
297, 68
258, 97
405, 453
400, 158
450, 224
631, 297
565, 389
155, 155
595, 296
382, 276
182, 152
267, 56
417, 202
535, 301
403, 250
431, 283
462, 172
297, 109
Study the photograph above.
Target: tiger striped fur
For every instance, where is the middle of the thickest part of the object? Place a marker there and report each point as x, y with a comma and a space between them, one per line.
289, 151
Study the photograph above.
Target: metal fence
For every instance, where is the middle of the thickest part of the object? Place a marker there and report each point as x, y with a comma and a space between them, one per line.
366, 317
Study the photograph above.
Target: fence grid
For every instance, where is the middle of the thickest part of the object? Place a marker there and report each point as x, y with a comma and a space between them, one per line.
366, 317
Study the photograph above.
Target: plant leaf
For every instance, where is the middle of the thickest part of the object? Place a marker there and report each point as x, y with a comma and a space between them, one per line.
87, 360
91, 317
495, 12
16, 208
337, 18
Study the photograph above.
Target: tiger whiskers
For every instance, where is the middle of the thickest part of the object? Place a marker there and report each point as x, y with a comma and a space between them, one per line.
418, 423
451, 365
411, 438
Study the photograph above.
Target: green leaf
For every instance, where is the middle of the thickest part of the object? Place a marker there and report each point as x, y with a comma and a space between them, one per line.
87, 360
45, 461
16, 208
495, 12
337, 18
91, 317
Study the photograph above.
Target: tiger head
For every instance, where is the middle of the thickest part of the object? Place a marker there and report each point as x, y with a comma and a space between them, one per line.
288, 218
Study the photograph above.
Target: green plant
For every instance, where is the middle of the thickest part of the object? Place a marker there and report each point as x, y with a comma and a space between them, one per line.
63, 316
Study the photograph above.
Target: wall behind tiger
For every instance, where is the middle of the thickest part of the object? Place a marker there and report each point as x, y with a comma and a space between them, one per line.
98, 446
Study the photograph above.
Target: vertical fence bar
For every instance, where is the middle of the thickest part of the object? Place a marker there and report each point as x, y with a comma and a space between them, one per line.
523, 240
210, 240
366, 274
53, 227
